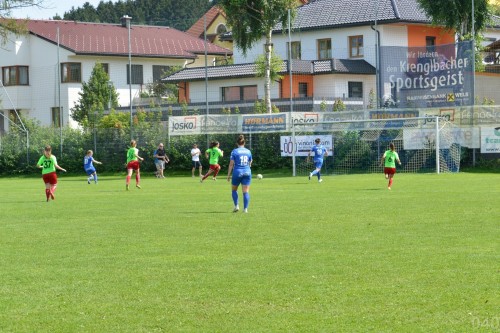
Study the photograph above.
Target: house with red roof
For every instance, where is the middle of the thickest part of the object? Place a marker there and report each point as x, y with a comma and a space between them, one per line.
43, 71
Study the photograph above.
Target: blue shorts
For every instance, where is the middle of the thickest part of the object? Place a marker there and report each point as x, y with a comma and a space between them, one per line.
90, 171
242, 177
318, 164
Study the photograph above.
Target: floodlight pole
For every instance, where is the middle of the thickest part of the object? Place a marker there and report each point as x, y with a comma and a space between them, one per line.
128, 20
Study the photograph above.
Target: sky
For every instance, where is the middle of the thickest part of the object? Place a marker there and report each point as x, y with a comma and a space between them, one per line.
53, 7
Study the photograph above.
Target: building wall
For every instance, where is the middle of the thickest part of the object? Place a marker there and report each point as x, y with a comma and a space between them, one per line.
296, 79
486, 87
214, 89
42, 94
309, 40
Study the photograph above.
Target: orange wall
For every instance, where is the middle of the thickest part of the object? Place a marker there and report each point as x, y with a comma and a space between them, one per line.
285, 85
417, 34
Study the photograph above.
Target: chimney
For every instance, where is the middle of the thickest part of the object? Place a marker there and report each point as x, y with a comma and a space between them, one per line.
125, 20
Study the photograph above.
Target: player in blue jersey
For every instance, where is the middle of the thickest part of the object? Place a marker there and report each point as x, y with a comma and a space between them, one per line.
240, 164
89, 168
319, 151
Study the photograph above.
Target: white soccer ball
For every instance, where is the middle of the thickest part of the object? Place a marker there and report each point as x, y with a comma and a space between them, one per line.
259, 176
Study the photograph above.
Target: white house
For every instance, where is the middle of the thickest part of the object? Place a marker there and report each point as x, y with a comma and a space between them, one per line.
43, 71
337, 46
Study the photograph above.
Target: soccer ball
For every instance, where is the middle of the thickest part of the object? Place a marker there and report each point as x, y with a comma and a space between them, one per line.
259, 176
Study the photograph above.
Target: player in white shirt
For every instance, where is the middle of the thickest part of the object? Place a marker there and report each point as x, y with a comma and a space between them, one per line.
195, 157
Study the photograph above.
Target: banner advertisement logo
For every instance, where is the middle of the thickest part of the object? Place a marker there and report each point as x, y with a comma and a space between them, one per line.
392, 117
184, 125
416, 138
303, 144
305, 118
490, 140
220, 123
440, 75
264, 123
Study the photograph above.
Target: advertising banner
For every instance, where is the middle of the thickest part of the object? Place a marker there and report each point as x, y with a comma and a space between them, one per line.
417, 138
189, 125
392, 117
303, 144
490, 140
258, 123
184, 125
440, 75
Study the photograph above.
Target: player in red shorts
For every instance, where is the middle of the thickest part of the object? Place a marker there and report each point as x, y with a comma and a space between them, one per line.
389, 160
48, 164
133, 165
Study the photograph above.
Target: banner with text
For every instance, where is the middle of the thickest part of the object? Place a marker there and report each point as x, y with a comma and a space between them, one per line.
303, 144
258, 123
490, 140
434, 76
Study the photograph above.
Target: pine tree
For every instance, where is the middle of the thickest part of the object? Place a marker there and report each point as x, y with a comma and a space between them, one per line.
94, 97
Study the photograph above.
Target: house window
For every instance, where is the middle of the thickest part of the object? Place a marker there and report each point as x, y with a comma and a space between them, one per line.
71, 72
15, 76
105, 67
355, 89
355, 46
324, 48
296, 50
239, 93
302, 89
56, 117
430, 43
221, 28
159, 72
137, 77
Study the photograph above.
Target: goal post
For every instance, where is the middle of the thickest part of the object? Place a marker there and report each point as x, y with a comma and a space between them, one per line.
424, 145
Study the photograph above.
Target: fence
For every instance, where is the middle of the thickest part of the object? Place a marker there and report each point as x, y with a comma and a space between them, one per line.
475, 130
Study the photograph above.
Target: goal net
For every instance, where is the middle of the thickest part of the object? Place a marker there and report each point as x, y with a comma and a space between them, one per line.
426, 144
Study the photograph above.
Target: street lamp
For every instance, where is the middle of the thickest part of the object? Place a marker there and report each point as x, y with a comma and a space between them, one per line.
126, 21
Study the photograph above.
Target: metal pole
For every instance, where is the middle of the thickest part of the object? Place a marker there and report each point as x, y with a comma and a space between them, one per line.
59, 94
290, 60
95, 132
206, 73
128, 20
378, 87
473, 93
437, 145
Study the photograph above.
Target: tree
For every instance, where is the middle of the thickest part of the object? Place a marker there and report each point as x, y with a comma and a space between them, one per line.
495, 7
457, 15
94, 97
10, 25
250, 20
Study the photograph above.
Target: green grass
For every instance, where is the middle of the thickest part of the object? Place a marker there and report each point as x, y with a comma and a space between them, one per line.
346, 255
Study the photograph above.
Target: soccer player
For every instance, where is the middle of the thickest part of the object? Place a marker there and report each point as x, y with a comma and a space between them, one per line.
133, 159
161, 159
48, 164
89, 168
319, 151
389, 160
240, 164
213, 153
195, 159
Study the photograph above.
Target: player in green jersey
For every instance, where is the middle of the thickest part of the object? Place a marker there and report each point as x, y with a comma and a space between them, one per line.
213, 154
133, 159
389, 160
48, 164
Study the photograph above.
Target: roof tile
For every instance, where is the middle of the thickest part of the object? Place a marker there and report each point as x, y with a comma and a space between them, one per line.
112, 39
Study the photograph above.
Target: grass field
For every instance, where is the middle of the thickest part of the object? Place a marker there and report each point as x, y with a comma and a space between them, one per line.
346, 255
